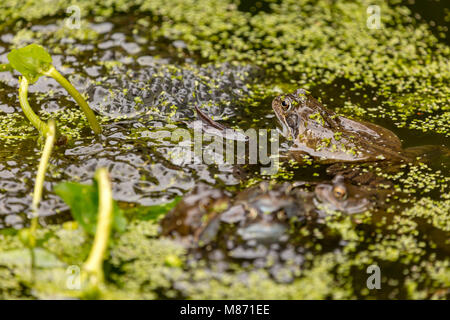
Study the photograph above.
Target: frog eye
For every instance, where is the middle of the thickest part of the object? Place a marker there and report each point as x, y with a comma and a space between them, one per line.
286, 103
340, 192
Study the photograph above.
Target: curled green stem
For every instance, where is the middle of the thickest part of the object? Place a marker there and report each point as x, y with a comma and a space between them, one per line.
29, 113
93, 267
52, 72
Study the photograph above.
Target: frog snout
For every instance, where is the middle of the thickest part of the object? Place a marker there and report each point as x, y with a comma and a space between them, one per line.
319, 191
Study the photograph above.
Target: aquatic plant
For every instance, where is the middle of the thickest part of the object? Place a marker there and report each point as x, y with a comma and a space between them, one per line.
28, 236
40, 177
33, 61
84, 203
93, 267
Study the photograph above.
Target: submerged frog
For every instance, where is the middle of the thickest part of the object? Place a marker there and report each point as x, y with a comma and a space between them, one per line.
258, 213
253, 229
269, 226
328, 137
260, 216
347, 198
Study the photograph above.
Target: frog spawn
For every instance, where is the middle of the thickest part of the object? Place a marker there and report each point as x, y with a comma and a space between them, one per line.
172, 91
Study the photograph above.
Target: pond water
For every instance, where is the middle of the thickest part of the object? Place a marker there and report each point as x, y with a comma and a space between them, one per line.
145, 87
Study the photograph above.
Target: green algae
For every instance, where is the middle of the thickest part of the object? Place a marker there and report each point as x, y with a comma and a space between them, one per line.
15, 128
297, 35
143, 264
435, 213
141, 270
405, 63
419, 179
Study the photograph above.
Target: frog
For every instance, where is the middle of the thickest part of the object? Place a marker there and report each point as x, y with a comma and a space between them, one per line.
347, 147
270, 225
263, 215
260, 212
252, 228
338, 195
328, 137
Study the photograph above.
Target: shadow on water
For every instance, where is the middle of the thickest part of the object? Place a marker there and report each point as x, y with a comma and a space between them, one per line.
433, 12
255, 6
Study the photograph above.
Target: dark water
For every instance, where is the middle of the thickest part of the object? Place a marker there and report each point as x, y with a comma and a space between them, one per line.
434, 13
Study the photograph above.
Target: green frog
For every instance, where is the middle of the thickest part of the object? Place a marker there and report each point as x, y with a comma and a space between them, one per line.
328, 137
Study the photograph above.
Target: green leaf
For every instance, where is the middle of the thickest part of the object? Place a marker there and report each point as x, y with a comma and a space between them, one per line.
31, 61
83, 202
154, 212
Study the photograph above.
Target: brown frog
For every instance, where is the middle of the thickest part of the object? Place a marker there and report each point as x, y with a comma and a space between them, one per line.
254, 228
270, 226
328, 137
258, 213
347, 198
263, 214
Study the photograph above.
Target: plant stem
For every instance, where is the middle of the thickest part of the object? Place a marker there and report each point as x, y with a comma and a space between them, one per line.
29, 113
52, 72
94, 264
43, 164
6, 67
39, 185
